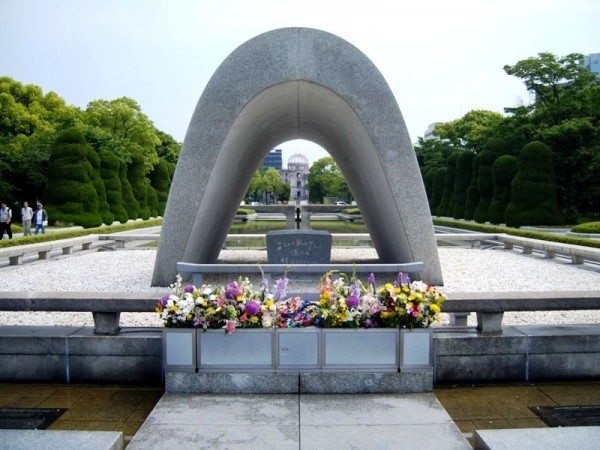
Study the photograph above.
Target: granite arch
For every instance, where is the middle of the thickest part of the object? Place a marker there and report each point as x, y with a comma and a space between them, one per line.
296, 83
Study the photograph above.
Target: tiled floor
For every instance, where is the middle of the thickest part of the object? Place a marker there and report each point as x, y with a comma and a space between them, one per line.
89, 407
471, 407
507, 406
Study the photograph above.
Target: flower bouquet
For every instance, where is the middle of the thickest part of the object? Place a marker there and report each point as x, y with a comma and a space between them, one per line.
409, 304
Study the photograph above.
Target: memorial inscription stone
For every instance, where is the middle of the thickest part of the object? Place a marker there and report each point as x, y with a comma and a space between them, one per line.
299, 247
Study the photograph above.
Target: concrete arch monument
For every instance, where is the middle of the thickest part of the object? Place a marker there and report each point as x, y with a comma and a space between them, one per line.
296, 83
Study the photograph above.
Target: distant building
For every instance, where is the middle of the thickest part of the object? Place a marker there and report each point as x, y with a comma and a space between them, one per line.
429, 131
592, 63
273, 159
296, 175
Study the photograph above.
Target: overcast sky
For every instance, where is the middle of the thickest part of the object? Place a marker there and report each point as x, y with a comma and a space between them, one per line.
441, 58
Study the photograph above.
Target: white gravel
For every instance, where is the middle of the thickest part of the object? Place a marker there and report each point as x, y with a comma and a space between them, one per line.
463, 270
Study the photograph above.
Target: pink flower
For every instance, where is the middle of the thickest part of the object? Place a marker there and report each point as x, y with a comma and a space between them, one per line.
229, 326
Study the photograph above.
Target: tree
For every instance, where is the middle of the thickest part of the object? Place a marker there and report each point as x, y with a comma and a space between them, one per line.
444, 208
70, 196
160, 180
533, 192
485, 183
132, 206
103, 207
326, 180
432, 153
109, 171
29, 125
121, 126
565, 115
503, 172
472, 131
555, 81
462, 180
169, 148
439, 181
139, 185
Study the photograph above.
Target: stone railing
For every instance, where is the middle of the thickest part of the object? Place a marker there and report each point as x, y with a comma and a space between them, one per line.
106, 307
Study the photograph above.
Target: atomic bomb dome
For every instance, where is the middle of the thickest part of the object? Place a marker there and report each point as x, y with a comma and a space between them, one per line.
297, 162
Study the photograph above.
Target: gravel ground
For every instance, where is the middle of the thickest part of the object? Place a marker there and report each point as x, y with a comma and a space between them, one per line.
464, 270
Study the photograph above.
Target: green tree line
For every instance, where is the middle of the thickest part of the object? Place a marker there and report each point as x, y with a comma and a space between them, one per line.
537, 164
88, 166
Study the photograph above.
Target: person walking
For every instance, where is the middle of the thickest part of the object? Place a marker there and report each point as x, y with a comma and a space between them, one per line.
26, 216
5, 219
40, 219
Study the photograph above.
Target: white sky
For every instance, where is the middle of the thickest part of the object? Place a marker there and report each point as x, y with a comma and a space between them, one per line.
441, 58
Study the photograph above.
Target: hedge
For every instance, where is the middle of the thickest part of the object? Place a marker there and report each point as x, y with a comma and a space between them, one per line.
533, 199
503, 172
462, 180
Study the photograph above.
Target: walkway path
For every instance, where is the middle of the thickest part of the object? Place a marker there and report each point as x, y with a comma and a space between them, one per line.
407, 421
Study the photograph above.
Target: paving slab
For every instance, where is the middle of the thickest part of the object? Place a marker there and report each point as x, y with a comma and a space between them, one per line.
565, 438
198, 421
58, 439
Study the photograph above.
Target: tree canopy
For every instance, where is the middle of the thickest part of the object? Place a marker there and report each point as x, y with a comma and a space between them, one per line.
325, 179
564, 114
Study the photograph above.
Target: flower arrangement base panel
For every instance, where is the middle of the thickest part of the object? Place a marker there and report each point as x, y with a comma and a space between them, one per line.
298, 349
245, 349
371, 350
299, 383
416, 349
179, 349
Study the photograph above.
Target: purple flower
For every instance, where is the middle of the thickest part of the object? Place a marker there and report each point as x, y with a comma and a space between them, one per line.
265, 285
280, 288
352, 301
232, 291
398, 281
371, 279
164, 300
355, 289
189, 288
252, 308
370, 323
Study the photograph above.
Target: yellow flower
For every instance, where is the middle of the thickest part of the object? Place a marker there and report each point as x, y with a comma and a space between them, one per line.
397, 291
434, 308
268, 303
389, 286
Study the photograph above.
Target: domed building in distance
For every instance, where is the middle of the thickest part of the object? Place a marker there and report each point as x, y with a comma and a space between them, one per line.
296, 175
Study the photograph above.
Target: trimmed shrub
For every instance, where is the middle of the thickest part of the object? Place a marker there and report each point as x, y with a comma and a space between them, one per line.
103, 208
109, 171
462, 180
485, 183
129, 202
472, 194
70, 193
136, 175
160, 180
533, 192
444, 208
503, 172
439, 181
428, 177
152, 201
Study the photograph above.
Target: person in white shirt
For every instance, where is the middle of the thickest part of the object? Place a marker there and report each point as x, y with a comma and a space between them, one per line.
26, 216
5, 220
